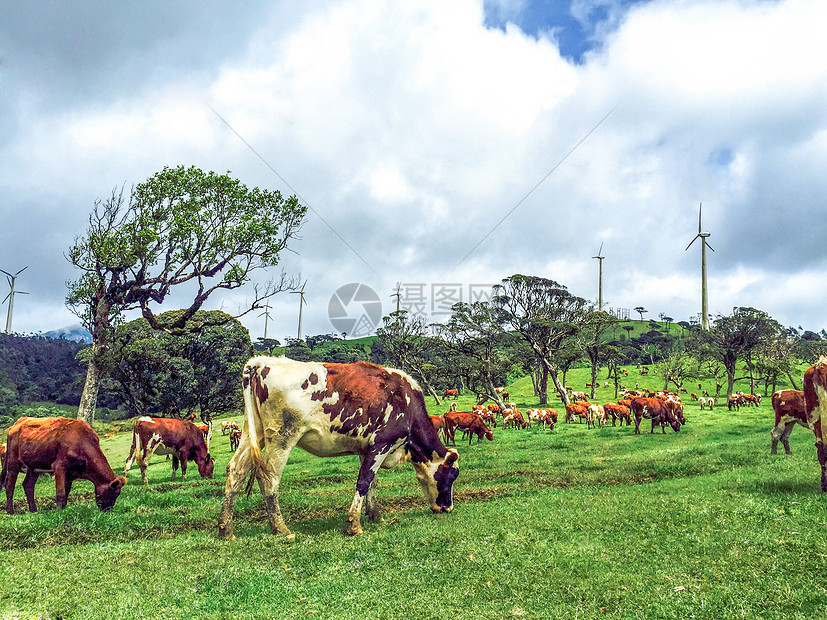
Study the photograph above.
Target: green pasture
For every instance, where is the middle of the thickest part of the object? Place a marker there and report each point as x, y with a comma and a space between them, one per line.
568, 523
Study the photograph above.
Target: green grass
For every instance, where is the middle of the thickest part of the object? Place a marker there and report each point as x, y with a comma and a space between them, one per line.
569, 523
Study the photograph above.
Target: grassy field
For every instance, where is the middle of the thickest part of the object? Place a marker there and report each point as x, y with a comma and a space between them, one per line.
570, 523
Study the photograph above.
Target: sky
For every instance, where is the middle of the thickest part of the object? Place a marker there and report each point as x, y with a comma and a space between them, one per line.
440, 147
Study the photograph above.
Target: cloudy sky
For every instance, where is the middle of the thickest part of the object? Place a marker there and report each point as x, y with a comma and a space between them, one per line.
441, 146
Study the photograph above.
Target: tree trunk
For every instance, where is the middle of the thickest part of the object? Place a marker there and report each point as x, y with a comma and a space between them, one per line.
89, 398
792, 380
544, 386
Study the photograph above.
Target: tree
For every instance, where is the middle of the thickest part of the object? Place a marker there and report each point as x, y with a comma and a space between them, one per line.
591, 339
156, 371
737, 337
474, 333
544, 313
641, 311
181, 226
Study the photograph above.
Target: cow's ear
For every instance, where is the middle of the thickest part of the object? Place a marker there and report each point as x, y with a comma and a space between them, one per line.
118, 482
451, 457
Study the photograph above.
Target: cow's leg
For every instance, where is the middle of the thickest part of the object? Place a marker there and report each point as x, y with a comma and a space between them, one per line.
822, 460
637, 425
785, 437
371, 506
269, 478
183, 458
61, 493
775, 435
10, 482
174, 464
366, 481
28, 486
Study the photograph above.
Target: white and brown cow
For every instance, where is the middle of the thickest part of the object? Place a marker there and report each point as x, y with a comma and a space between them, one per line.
815, 403
790, 410
180, 438
68, 450
330, 410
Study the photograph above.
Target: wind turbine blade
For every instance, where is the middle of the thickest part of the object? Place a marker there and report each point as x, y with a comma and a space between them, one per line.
21, 271
693, 241
700, 207
601, 248
709, 246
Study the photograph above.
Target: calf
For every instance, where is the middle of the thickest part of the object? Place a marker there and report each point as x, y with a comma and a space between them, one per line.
182, 439
790, 409
68, 450
596, 416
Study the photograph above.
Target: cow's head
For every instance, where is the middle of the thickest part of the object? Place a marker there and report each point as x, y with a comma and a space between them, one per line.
205, 467
106, 495
436, 477
489, 434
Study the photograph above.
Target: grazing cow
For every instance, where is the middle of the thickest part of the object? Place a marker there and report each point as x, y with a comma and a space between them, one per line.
579, 396
710, 403
513, 417
790, 409
705, 393
235, 438
596, 416
488, 418
467, 422
68, 450
332, 410
2, 455
702, 402
182, 439
228, 426
576, 411
815, 403
751, 399
453, 407
659, 411
541, 416
735, 401
618, 412
452, 393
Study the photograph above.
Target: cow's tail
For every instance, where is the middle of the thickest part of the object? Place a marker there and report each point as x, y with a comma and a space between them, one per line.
254, 386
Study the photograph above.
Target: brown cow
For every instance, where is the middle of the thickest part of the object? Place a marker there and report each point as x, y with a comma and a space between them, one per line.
790, 409
575, 411
617, 411
182, 439
659, 411
466, 421
68, 450
450, 392
815, 403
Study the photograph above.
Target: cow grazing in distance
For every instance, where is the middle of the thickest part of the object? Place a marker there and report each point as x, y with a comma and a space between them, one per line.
180, 438
206, 430
659, 411
467, 422
450, 393
228, 426
596, 416
68, 450
374, 412
616, 411
235, 438
815, 403
790, 409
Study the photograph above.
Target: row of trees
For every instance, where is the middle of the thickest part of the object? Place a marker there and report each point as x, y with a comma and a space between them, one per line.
535, 325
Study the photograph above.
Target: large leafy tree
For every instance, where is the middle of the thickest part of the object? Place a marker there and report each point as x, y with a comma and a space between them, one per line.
591, 339
182, 226
738, 337
544, 313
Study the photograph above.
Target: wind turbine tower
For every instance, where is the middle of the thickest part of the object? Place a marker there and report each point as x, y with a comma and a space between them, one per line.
704, 298
11, 278
266, 315
599, 277
301, 304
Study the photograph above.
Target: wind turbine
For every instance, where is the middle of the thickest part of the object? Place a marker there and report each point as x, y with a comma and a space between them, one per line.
266, 315
11, 278
398, 296
301, 303
599, 277
704, 245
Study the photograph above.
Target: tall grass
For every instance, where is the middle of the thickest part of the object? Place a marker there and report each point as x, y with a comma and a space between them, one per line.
569, 523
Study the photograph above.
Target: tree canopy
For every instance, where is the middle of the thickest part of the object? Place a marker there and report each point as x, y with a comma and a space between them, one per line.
181, 226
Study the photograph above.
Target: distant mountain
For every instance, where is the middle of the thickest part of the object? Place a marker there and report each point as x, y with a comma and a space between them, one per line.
73, 332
